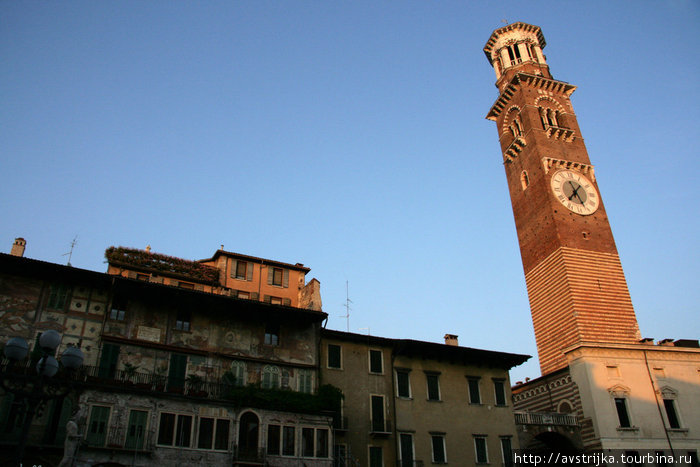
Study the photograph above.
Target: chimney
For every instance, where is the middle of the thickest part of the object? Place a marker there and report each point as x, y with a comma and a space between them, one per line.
666, 342
18, 247
451, 339
647, 341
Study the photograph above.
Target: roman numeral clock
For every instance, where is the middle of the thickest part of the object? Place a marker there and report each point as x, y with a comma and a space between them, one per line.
576, 286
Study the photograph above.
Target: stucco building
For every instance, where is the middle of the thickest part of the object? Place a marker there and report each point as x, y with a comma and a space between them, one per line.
410, 402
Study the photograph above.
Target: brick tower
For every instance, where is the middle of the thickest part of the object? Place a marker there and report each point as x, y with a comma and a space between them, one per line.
574, 278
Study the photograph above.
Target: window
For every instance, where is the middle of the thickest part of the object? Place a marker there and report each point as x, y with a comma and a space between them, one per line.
97, 427
524, 180
321, 442
143, 277
108, 360
273, 440
118, 311
439, 456
176, 372
403, 386
482, 456
236, 375
622, 415
307, 442
305, 381
377, 413
671, 413
186, 285
507, 451
136, 429
182, 320
474, 395
406, 449
288, 441
213, 433
499, 388
376, 457
278, 277
271, 377
375, 361
433, 386
272, 334
334, 359
314, 442
58, 293
242, 270
175, 430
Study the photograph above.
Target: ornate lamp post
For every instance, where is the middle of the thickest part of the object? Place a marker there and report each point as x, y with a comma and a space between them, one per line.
37, 389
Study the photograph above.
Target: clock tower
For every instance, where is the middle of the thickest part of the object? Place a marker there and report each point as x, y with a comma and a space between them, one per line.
575, 283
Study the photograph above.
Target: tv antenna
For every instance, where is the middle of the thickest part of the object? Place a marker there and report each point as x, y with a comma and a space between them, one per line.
70, 253
347, 306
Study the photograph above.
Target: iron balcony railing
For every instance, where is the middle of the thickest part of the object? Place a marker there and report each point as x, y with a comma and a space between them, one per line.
545, 418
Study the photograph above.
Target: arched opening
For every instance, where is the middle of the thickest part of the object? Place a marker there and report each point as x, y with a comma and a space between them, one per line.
524, 179
248, 436
565, 407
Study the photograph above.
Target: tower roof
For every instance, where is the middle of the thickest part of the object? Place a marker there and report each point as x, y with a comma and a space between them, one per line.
498, 33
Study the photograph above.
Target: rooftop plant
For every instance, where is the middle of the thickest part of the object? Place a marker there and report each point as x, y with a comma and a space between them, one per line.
162, 263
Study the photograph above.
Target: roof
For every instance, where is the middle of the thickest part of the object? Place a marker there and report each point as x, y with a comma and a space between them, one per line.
435, 351
17, 265
518, 25
255, 259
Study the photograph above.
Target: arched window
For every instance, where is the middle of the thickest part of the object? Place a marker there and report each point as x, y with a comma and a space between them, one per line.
270, 377
518, 128
524, 179
236, 376
565, 407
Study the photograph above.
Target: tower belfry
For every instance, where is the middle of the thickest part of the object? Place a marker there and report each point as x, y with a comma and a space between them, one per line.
576, 286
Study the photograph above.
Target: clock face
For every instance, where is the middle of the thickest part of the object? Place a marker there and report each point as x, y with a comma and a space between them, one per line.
575, 192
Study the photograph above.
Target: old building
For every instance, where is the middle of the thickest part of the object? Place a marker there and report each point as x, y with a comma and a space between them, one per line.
177, 369
627, 393
413, 403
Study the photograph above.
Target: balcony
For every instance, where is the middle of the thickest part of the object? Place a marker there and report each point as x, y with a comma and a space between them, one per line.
545, 418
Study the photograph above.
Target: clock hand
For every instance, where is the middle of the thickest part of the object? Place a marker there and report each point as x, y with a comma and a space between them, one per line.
575, 192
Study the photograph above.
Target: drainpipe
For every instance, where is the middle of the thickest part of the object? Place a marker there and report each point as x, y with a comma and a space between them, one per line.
658, 406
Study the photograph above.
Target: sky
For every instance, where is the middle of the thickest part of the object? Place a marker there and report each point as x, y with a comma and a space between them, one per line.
351, 137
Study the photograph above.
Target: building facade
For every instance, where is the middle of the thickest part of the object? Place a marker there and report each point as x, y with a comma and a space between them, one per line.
172, 373
414, 403
627, 393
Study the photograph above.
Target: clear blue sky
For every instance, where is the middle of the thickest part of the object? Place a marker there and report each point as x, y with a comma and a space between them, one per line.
349, 136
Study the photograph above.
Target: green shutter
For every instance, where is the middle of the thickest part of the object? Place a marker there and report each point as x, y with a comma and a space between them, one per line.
176, 373
285, 278
270, 275
136, 429
97, 427
234, 267
249, 272
108, 361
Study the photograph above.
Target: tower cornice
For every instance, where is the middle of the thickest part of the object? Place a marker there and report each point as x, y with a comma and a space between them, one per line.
536, 81
491, 43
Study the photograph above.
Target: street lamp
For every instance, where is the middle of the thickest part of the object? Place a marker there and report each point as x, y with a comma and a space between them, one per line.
35, 390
